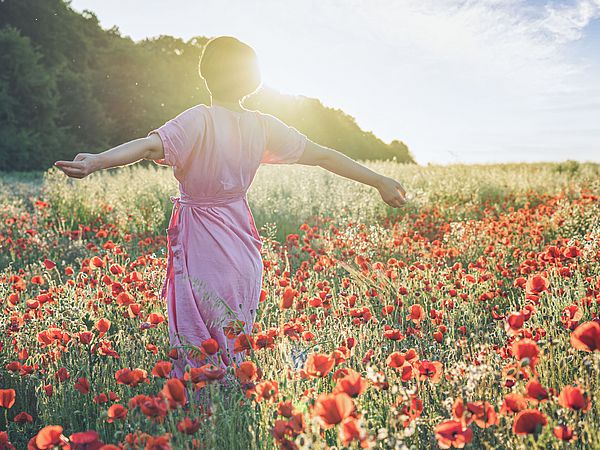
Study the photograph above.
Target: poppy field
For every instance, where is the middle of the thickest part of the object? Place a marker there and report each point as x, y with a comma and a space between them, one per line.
467, 319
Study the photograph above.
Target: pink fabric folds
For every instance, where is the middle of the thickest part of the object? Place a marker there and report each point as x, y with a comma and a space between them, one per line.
214, 265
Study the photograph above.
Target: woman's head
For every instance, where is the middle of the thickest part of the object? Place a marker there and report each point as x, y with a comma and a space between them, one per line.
229, 68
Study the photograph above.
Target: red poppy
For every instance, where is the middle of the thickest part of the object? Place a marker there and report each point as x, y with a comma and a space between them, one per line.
513, 403
368, 355
395, 360
535, 391
266, 390
85, 337
243, 342
7, 398
398, 359
22, 417
285, 409
571, 252
318, 365
125, 299
162, 369
514, 322
411, 410
188, 426
247, 371
96, 262
529, 421
131, 377
137, 400
452, 433
537, 284
133, 310
350, 430
174, 391
116, 412
387, 310
101, 398
62, 374
86, 440
309, 336
459, 411
352, 384
48, 437
483, 414
49, 264
331, 409
526, 348
103, 325
570, 316
82, 385
393, 334
210, 372
155, 318
155, 408
564, 433
574, 398
287, 299
158, 442
431, 370
210, 346
586, 337
285, 430
38, 279
416, 314
116, 269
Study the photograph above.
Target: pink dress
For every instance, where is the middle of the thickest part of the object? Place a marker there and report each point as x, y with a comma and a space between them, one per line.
214, 268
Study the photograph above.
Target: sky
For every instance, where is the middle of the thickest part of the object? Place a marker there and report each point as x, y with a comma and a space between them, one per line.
458, 81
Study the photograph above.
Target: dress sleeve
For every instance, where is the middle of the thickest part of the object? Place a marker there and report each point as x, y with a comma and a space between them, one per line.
180, 135
284, 144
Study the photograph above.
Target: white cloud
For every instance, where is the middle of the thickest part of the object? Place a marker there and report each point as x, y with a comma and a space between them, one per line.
566, 22
508, 39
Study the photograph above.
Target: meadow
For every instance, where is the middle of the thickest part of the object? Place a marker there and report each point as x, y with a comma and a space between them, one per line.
468, 318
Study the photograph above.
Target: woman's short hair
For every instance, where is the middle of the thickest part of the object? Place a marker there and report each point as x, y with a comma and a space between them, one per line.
229, 68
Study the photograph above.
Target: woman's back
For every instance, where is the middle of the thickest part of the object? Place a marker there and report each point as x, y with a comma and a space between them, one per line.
214, 272
216, 151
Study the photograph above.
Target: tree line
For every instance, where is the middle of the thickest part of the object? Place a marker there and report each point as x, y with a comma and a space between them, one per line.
67, 86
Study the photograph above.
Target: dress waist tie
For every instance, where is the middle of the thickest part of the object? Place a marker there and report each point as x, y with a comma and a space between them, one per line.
208, 201
200, 202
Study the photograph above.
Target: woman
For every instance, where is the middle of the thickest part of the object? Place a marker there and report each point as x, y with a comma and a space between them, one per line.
214, 270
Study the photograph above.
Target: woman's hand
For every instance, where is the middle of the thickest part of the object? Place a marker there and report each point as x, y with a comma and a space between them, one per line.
391, 192
81, 166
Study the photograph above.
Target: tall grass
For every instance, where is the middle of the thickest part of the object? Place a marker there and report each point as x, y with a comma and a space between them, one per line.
136, 199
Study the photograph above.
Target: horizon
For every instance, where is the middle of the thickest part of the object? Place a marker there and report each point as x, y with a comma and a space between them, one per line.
531, 93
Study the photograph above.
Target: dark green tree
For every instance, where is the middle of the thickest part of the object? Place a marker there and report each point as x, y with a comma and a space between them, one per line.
28, 104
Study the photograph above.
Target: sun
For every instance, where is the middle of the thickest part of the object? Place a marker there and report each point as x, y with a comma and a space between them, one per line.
286, 70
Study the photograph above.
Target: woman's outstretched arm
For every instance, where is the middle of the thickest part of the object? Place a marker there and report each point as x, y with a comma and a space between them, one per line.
390, 190
83, 164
